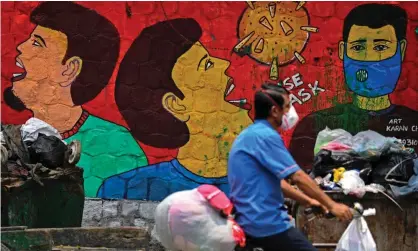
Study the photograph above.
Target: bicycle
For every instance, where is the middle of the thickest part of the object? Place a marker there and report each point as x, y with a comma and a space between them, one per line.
358, 211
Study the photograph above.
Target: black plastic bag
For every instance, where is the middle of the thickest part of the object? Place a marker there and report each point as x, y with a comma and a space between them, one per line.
401, 173
325, 161
365, 174
48, 150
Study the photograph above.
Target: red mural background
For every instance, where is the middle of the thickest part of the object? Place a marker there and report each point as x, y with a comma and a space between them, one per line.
219, 21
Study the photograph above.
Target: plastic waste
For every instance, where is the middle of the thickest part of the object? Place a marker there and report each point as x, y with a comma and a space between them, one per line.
33, 127
12, 141
370, 144
338, 173
365, 174
411, 187
2, 139
357, 236
190, 220
327, 178
394, 169
326, 161
47, 150
336, 146
326, 183
366, 144
369, 212
327, 135
351, 183
374, 188
4, 154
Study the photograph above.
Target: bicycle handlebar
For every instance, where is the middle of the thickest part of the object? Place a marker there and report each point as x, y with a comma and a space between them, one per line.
318, 210
358, 211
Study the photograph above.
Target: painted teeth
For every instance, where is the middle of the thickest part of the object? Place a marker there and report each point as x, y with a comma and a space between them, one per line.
241, 101
231, 87
19, 65
17, 74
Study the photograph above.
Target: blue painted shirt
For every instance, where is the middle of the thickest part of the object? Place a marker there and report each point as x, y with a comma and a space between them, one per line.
155, 182
257, 162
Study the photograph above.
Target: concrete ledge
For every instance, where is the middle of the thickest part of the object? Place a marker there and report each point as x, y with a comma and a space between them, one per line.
123, 238
68, 248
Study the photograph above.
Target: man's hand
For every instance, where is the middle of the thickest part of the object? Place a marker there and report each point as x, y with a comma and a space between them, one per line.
342, 212
308, 186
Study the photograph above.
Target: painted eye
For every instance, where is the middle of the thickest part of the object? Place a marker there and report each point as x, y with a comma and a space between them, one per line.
357, 47
380, 47
35, 43
209, 64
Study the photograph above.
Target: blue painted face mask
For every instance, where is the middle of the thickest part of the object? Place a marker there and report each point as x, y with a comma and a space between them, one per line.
373, 78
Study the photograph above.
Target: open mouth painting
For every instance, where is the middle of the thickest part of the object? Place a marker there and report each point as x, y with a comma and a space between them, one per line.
19, 75
9, 95
241, 103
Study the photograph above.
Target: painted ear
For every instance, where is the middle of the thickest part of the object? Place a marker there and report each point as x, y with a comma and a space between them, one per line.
403, 48
341, 50
174, 105
72, 69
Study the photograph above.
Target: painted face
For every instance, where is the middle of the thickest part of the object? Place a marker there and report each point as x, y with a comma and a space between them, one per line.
40, 60
372, 60
213, 122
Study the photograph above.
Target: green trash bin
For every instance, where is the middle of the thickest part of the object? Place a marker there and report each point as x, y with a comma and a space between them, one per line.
58, 203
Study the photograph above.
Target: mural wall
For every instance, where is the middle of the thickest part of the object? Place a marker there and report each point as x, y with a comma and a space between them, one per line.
157, 91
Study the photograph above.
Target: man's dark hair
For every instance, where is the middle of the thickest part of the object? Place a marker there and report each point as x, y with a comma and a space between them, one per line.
375, 16
90, 36
263, 103
144, 77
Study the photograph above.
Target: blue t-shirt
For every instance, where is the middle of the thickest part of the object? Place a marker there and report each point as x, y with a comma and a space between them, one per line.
257, 162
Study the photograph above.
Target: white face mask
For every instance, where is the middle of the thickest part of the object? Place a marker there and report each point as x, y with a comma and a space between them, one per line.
289, 119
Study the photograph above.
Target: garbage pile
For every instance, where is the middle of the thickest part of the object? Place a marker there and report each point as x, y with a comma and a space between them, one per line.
365, 162
35, 151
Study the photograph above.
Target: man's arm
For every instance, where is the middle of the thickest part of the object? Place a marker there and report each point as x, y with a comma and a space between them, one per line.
294, 194
308, 186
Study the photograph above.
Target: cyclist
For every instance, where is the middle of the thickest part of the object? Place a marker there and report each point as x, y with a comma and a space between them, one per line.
258, 165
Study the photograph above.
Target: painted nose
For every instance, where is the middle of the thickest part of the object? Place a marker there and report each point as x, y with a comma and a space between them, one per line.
362, 75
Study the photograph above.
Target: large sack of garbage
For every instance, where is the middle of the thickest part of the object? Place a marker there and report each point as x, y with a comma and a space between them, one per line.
198, 219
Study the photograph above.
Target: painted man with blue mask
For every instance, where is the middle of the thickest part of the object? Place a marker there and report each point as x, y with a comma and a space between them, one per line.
372, 50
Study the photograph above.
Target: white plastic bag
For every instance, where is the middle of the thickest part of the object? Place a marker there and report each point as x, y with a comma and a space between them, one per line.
185, 221
351, 183
357, 237
33, 126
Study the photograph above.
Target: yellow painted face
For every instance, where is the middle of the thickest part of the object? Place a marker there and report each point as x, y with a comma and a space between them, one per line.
367, 44
212, 121
41, 58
